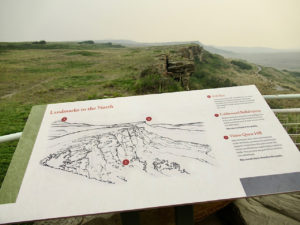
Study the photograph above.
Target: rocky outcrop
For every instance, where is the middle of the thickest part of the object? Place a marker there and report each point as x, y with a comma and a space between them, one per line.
180, 71
177, 64
194, 52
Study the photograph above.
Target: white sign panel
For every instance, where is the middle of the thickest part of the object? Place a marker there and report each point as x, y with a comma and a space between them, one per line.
155, 150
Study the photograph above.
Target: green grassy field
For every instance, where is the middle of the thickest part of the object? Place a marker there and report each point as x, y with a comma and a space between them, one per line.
61, 72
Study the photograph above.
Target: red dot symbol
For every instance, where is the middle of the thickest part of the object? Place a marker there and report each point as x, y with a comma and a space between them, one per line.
226, 137
148, 118
125, 162
208, 96
216, 115
64, 119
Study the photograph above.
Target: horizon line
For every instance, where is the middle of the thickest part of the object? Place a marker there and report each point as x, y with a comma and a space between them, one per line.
156, 42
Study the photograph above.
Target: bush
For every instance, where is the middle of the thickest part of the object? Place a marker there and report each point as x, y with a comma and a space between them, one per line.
241, 65
40, 42
155, 83
213, 61
206, 76
86, 42
294, 73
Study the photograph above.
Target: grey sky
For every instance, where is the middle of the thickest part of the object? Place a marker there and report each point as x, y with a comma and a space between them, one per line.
268, 23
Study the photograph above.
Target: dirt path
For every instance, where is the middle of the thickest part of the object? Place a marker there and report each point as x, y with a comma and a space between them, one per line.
258, 70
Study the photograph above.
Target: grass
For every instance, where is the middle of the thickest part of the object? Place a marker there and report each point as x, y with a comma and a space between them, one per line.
156, 83
84, 53
289, 122
242, 65
7, 150
59, 74
32, 74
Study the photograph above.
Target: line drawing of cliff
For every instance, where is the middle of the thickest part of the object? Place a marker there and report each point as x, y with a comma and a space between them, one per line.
99, 151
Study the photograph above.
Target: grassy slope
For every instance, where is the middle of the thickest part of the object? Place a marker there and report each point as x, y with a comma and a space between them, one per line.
72, 72
281, 60
268, 80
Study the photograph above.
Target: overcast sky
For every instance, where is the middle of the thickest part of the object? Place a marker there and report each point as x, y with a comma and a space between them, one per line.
264, 23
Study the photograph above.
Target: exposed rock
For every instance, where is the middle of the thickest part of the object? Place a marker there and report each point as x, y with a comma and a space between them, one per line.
179, 65
181, 72
193, 52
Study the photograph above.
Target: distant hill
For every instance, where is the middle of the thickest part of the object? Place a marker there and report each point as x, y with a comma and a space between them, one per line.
283, 59
219, 51
130, 43
256, 50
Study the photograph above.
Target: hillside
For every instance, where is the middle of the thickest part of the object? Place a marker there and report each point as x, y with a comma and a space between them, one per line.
279, 60
288, 59
282, 59
59, 72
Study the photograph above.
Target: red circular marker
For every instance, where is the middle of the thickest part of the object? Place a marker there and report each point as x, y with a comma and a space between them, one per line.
208, 96
64, 119
148, 118
226, 137
125, 162
216, 115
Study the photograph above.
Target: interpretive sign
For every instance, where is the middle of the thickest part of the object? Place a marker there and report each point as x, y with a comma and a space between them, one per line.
138, 152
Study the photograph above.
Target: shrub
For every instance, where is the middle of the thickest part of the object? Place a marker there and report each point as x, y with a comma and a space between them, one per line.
86, 42
294, 73
155, 83
40, 42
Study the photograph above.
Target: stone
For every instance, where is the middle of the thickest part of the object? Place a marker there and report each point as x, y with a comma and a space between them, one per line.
179, 65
